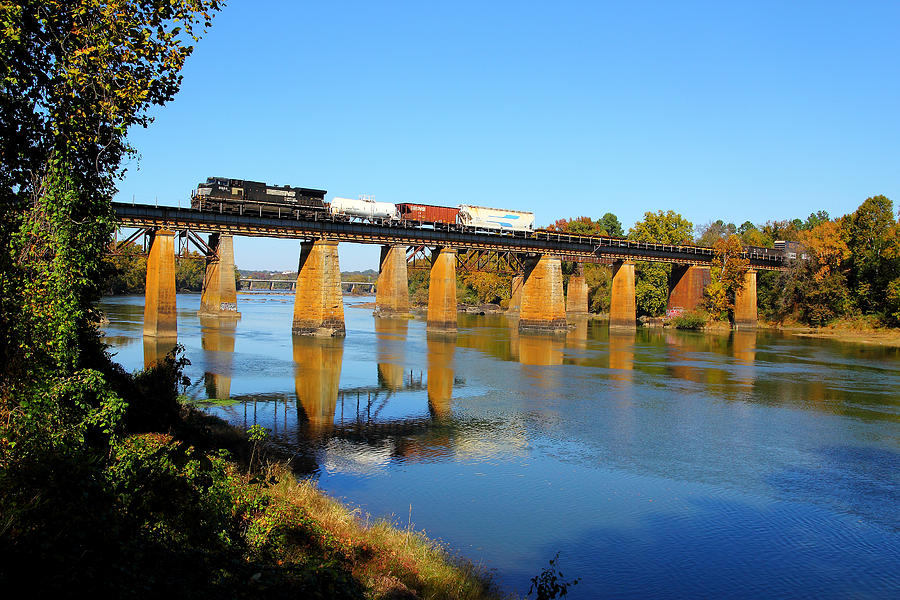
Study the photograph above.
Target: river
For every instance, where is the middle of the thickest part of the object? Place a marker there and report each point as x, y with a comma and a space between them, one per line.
658, 463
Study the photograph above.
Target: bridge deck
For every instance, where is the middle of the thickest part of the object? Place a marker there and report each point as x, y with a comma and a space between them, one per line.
566, 246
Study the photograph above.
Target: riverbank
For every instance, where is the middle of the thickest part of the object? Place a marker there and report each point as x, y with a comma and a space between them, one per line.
869, 336
293, 524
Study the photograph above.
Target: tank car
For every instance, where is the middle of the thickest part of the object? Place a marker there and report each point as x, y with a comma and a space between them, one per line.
240, 196
364, 208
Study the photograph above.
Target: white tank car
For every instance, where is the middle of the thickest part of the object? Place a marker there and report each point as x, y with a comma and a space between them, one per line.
495, 218
364, 209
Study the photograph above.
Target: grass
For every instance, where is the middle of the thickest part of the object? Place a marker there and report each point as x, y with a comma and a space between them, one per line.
289, 522
390, 561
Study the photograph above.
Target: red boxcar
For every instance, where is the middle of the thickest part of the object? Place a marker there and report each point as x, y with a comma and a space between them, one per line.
427, 213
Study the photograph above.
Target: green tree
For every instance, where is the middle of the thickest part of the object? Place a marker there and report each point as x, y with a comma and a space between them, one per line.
652, 279
189, 272
74, 76
870, 237
611, 224
815, 219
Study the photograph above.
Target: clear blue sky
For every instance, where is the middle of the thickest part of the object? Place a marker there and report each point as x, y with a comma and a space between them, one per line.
733, 110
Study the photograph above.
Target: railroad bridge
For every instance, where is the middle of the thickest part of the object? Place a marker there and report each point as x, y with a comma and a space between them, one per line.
537, 293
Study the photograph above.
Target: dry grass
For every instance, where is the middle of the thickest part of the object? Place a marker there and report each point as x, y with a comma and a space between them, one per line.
391, 561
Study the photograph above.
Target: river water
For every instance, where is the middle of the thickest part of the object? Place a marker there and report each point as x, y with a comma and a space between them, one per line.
657, 463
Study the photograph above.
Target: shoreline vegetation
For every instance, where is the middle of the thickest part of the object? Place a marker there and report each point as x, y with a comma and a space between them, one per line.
294, 523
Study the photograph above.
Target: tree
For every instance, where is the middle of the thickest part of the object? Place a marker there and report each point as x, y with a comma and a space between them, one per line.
815, 219
662, 227
726, 277
714, 230
870, 231
652, 279
76, 74
611, 224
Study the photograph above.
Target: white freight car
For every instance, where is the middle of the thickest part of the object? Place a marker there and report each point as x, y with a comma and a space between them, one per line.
495, 218
364, 209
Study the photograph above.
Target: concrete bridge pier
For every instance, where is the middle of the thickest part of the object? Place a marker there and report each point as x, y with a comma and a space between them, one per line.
577, 293
159, 295
442, 291
543, 305
622, 310
745, 316
686, 286
392, 290
219, 296
318, 303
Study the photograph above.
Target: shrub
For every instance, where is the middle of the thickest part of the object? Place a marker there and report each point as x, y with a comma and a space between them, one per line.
690, 320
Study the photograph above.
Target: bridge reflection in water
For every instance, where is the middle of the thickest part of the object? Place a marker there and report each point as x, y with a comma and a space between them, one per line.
156, 349
409, 414
217, 336
317, 375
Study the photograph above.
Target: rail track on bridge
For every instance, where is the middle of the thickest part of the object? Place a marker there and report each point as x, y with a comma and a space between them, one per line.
566, 246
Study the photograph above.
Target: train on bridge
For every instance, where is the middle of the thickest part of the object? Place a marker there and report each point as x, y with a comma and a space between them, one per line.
254, 198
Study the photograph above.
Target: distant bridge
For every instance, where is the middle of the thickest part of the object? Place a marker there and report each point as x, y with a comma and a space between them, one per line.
253, 283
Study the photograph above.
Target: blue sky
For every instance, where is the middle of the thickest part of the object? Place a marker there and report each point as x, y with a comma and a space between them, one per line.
732, 110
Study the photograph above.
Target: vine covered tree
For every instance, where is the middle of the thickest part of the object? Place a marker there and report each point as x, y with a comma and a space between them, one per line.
75, 76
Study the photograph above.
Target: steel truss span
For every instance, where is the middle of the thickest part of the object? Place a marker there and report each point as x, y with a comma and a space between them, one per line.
566, 246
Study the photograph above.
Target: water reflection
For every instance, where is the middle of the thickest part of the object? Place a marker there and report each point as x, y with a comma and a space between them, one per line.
628, 446
317, 373
744, 352
441, 347
156, 349
541, 350
390, 340
217, 335
682, 361
621, 354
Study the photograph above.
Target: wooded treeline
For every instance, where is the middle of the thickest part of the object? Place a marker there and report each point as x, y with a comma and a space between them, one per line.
851, 269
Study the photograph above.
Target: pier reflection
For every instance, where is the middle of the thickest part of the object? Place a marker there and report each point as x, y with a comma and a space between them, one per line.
217, 335
441, 348
577, 341
390, 340
541, 349
156, 349
744, 352
621, 355
317, 374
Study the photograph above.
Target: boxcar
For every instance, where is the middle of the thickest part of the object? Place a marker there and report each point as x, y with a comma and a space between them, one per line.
427, 213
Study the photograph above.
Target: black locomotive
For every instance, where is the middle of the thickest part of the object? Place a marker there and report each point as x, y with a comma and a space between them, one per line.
239, 196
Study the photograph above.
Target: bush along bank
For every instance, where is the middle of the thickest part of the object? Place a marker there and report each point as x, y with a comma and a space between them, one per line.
190, 508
